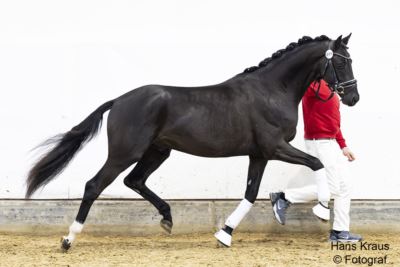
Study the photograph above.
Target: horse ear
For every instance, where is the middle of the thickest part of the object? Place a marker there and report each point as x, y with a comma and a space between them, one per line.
338, 42
346, 39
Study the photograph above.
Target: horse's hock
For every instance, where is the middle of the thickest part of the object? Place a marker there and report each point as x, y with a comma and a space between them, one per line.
138, 217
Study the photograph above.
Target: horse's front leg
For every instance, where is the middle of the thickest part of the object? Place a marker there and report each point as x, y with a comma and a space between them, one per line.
255, 173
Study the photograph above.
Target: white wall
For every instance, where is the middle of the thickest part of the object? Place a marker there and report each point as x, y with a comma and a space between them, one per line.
59, 60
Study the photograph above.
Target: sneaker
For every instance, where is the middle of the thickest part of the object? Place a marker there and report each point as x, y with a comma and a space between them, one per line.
279, 205
344, 236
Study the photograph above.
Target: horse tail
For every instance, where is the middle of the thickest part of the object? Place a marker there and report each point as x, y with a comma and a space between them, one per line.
64, 147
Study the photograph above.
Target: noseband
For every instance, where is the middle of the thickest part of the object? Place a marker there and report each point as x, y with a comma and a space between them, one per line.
338, 87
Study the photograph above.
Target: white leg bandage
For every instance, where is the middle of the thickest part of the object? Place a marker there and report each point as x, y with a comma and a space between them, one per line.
324, 194
239, 213
74, 229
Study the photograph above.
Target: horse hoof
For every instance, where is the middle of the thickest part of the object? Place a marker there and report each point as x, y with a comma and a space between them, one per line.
65, 244
223, 238
166, 225
221, 245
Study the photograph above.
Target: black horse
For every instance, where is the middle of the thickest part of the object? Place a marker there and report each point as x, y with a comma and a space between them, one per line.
254, 113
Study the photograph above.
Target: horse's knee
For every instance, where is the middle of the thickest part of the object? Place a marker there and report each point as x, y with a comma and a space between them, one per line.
315, 164
165, 154
127, 182
134, 184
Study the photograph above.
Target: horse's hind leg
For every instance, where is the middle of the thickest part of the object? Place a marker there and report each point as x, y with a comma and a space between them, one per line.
136, 180
107, 174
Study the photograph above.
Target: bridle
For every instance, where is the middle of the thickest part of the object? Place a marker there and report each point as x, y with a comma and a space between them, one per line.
338, 87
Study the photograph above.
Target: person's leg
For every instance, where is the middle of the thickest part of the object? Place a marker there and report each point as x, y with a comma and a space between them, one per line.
281, 200
301, 194
340, 190
305, 193
341, 224
341, 210
328, 152
339, 186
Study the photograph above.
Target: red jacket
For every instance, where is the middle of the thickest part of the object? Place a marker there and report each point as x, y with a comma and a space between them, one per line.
322, 119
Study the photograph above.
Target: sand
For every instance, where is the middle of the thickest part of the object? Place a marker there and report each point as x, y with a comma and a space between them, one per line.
248, 249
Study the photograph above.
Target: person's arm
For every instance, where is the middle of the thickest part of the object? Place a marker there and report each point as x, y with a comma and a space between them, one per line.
340, 139
342, 143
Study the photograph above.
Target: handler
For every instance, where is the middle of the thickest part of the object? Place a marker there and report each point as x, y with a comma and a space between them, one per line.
322, 136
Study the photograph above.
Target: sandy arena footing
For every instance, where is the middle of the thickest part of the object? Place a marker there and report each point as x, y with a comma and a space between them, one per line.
248, 249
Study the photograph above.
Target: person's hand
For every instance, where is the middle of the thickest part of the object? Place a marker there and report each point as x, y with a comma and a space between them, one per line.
347, 153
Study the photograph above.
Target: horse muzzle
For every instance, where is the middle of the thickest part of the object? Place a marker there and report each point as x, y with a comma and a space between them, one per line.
351, 99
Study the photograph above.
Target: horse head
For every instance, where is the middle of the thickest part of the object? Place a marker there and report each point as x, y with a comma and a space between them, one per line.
338, 72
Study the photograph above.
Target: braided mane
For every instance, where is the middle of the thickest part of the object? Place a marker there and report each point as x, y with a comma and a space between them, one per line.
290, 47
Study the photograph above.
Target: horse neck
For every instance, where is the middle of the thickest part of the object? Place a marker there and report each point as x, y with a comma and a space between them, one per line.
294, 71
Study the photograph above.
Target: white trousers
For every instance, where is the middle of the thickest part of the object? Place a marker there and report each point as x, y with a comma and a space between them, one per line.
329, 154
